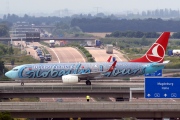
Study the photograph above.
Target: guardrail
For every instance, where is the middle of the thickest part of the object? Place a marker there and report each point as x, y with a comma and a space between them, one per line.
59, 81
91, 109
22, 89
91, 106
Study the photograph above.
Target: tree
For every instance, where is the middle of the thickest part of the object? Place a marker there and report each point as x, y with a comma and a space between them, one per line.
139, 34
176, 35
11, 51
4, 31
5, 116
2, 68
115, 34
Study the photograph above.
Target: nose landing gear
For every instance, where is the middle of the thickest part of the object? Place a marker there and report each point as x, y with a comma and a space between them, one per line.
22, 83
88, 82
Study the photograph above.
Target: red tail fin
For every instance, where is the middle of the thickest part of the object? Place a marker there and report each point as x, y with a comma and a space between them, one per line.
157, 51
112, 66
109, 59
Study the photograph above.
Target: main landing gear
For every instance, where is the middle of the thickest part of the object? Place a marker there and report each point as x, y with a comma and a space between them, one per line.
88, 82
22, 83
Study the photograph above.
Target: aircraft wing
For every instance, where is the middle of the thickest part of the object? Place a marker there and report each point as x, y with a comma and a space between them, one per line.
92, 74
160, 64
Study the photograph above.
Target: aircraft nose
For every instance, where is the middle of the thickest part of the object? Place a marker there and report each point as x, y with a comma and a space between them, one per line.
8, 74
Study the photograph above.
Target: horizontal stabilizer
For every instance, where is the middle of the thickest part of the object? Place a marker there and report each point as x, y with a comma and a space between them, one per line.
161, 64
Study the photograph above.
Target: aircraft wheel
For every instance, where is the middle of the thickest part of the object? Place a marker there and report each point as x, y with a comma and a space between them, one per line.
88, 82
22, 83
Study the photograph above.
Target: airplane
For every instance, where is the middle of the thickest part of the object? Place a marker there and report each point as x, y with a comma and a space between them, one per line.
151, 61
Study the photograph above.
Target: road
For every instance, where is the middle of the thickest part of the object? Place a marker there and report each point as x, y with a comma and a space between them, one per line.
28, 48
63, 54
100, 55
68, 54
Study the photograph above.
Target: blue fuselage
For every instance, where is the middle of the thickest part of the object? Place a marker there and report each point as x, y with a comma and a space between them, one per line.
57, 70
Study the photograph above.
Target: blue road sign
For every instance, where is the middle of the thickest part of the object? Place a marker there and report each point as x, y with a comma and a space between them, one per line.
162, 87
155, 74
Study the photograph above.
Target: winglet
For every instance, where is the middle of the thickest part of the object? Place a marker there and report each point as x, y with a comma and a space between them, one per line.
109, 59
112, 67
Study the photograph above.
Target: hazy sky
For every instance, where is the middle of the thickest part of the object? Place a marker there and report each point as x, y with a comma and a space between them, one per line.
85, 6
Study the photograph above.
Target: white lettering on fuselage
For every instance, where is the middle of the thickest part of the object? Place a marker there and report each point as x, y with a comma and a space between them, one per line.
53, 67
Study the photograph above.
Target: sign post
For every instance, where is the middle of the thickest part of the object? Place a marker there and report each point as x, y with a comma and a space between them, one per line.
162, 87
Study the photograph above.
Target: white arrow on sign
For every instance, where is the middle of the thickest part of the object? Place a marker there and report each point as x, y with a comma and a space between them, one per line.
165, 95
148, 95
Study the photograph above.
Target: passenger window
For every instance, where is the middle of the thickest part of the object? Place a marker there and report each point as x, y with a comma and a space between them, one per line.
15, 69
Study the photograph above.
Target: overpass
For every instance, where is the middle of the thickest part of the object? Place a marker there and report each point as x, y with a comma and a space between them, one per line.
69, 90
43, 39
91, 109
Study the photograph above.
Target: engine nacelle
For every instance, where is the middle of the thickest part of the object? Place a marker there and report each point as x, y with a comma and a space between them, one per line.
70, 79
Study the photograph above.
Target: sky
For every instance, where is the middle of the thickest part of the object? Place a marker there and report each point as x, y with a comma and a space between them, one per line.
84, 6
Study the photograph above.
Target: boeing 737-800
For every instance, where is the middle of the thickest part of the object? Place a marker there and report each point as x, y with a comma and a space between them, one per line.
150, 62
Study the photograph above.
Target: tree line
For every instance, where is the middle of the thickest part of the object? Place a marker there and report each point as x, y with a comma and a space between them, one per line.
139, 34
13, 18
4, 29
89, 23
110, 25
133, 34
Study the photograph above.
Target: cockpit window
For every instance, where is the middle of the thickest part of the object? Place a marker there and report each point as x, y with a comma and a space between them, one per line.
15, 69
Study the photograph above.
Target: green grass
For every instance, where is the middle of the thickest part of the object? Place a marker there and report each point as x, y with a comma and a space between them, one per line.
45, 51
4, 78
23, 59
44, 43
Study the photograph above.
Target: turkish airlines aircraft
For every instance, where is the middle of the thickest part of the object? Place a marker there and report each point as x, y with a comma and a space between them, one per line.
150, 62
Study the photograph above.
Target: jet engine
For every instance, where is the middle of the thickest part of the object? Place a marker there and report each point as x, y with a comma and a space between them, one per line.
70, 79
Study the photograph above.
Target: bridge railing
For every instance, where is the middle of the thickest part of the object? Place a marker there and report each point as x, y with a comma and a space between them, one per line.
91, 106
22, 89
